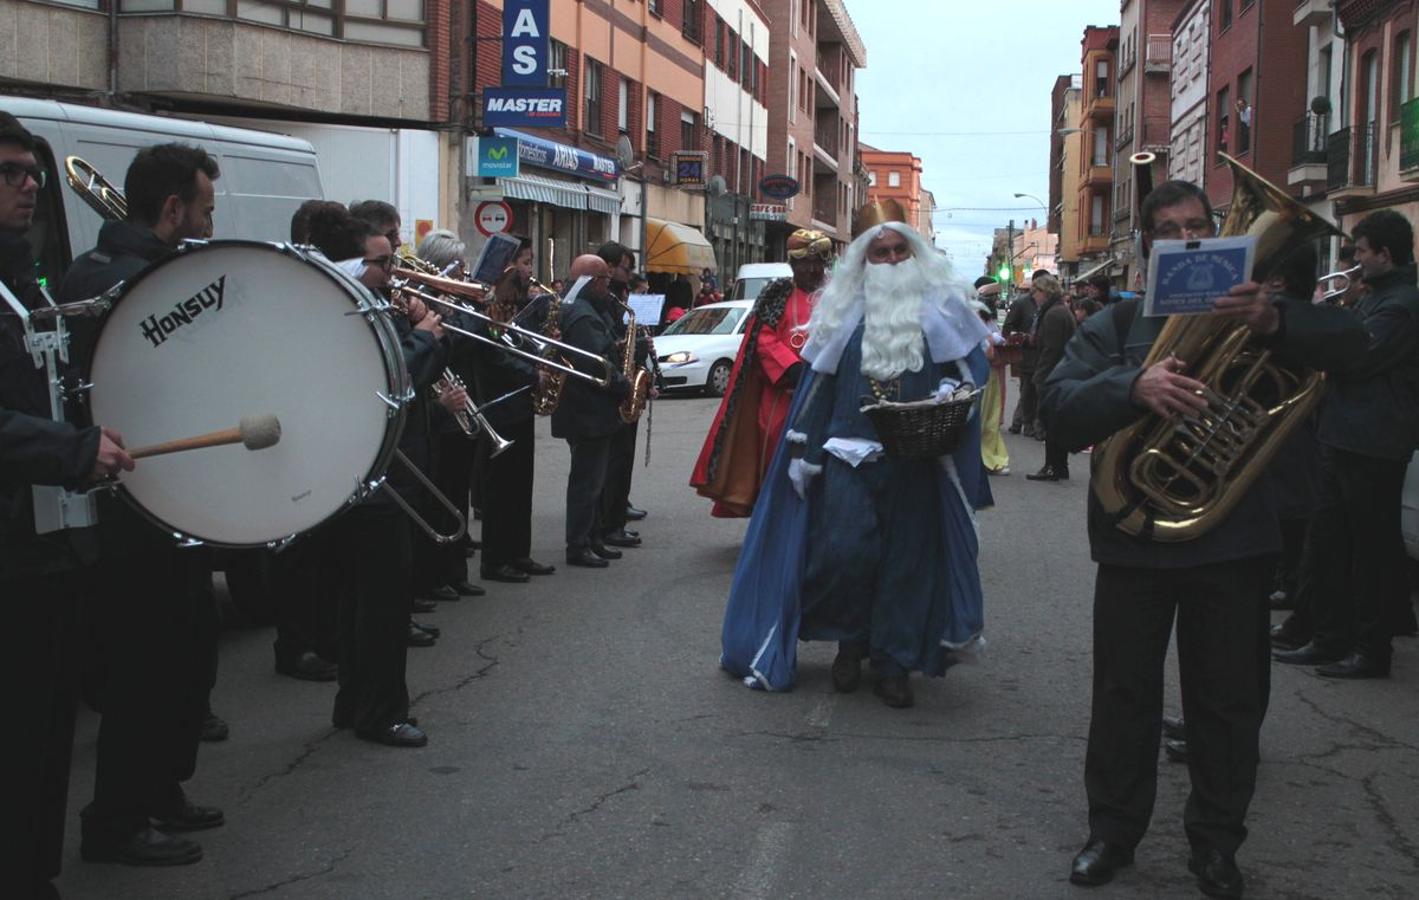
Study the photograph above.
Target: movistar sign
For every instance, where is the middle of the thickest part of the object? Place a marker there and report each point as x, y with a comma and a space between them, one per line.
524, 107
493, 157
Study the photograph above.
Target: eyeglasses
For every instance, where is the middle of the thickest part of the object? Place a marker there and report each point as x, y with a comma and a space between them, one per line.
15, 174
381, 262
1193, 228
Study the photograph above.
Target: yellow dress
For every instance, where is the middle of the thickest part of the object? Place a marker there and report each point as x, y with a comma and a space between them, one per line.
992, 445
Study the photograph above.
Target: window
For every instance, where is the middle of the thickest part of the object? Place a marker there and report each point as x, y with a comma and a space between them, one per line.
732, 68
1224, 119
793, 16
692, 30
591, 123
623, 106
1101, 145
652, 142
1244, 112
872, 178
1101, 78
793, 87
688, 139
1224, 14
398, 22
1096, 215
1403, 73
789, 160
557, 63
719, 42
894, 179
746, 66
653, 6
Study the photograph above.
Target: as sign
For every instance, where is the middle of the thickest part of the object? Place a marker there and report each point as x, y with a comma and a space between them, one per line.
526, 26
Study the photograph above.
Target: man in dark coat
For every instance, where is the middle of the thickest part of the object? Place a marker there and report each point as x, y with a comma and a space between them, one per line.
37, 572
1019, 319
1054, 326
1214, 585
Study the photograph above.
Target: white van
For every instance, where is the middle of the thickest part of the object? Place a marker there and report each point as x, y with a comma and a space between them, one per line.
752, 278
264, 176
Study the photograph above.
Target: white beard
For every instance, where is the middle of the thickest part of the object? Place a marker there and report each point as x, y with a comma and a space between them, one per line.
892, 304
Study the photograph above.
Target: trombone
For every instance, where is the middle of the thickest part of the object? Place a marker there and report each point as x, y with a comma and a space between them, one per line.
535, 339
1344, 279
94, 189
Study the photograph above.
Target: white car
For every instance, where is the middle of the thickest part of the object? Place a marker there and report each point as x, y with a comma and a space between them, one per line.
752, 278
697, 351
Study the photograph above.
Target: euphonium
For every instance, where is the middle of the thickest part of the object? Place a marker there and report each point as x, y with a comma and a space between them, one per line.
632, 407
1173, 480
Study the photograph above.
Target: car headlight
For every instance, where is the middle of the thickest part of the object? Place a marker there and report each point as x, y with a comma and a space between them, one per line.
680, 358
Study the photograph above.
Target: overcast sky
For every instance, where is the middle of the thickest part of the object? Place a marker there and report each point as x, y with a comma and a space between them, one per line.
965, 85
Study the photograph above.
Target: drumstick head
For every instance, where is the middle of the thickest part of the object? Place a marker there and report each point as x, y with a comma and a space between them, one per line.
260, 432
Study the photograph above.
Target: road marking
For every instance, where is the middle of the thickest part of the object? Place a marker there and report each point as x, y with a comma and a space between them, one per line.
770, 853
822, 712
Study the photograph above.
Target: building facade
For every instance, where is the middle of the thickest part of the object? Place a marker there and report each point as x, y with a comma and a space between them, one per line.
1191, 32
1313, 130
1096, 159
896, 175
1066, 143
813, 125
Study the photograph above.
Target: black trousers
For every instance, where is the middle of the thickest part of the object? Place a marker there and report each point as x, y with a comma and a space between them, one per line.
619, 471
586, 482
507, 497
453, 473
1224, 662
1056, 456
40, 669
373, 555
1027, 407
159, 623
1357, 547
302, 582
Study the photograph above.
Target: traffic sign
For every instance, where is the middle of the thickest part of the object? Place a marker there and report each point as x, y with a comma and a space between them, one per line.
493, 217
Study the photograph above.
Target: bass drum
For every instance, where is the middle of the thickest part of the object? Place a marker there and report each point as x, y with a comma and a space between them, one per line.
226, 329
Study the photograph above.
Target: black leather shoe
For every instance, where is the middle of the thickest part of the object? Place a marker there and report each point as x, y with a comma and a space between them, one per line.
1174, 728
635, 515
505, 574
419, 637
405, 734
847, 670
585, 558
191, 818
213, 729
532, 566
467, 589
1288, 635
444, 594
1217, 873
427, 629
605, 552
308, 667
1307, 655
895, 691
1356, 665
1048, 473
423, 605
145, 847
1176, 749
1099, 862
620, 539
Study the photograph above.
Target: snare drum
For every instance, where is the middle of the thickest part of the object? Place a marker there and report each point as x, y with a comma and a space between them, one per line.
226, 329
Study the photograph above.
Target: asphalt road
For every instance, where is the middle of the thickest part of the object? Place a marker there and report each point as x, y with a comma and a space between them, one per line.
584, 743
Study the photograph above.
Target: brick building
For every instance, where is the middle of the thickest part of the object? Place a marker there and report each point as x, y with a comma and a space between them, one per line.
1190, 31
1066, 142
896, 175
1097, 128
813, 126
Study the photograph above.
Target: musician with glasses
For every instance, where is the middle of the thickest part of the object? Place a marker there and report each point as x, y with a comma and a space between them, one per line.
616, 508
155, 610
1215, 585
38, 573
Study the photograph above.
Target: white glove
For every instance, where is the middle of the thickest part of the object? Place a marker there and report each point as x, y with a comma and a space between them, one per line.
800, 473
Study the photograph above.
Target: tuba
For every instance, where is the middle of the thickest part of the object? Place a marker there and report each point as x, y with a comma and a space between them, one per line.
632, 407
1173, 480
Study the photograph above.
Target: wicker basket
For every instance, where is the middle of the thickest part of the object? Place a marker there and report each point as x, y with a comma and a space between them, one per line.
922, 429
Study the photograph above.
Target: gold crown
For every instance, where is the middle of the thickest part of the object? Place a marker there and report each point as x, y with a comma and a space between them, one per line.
876, 213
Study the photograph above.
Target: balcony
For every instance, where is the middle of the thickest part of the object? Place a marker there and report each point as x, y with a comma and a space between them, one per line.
1351, 161
1158, 54
1099, 106
825, 136
1311, 12
1309, 166
1099, 175
1409, 141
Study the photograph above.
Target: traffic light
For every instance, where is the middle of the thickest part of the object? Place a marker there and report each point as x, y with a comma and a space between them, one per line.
1003, 276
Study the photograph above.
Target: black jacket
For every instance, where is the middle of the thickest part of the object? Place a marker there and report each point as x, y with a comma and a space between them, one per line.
1088, 397
34, 449
499, 371
1054, 326
1371, 405
587, 411
1019, 319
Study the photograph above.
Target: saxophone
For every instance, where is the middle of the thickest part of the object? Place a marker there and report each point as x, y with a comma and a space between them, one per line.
632, 407
547, 395
1172, 481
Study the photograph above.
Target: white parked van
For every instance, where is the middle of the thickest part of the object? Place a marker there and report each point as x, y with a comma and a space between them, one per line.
264, 176
752, 278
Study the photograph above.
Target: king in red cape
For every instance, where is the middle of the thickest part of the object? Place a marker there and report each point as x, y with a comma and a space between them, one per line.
746, 430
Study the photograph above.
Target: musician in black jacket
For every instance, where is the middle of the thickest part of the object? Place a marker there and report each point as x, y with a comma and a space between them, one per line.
155, 613
1215, 585
587, 417
616, 498
37, 572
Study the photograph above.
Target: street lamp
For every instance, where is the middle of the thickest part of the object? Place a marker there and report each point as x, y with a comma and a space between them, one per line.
1043, 205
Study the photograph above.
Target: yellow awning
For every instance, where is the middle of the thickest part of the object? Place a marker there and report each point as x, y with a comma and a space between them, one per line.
675, 248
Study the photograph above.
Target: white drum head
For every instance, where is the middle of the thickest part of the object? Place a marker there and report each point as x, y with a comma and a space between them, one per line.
234, 329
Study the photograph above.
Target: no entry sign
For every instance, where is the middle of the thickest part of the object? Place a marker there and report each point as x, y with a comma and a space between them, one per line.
493, 217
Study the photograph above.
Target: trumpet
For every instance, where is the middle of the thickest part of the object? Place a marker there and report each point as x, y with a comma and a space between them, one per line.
1344, 278
97, 191
471, 418
512, 335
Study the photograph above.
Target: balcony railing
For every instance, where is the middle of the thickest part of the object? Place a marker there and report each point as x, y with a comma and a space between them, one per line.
1308, 141
1158, 55
1409, 135
825, 135
1351, 157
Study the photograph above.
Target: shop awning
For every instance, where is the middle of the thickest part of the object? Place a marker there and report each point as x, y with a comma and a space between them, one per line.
1089, 273
569, 194
675, 248
603, 201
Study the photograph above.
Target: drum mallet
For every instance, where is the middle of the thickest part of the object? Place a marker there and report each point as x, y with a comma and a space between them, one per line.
254, 432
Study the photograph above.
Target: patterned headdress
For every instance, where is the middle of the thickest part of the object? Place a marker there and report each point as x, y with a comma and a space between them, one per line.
805, 242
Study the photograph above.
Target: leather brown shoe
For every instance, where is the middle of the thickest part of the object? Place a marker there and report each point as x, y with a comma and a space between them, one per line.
1099, 862
582, 556
144, 847
532, 566
506, 574
1217, 873
190, 818
895, 691
1356, 665
1311, 654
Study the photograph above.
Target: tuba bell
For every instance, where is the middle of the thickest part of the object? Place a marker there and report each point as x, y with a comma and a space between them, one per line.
1173, 480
